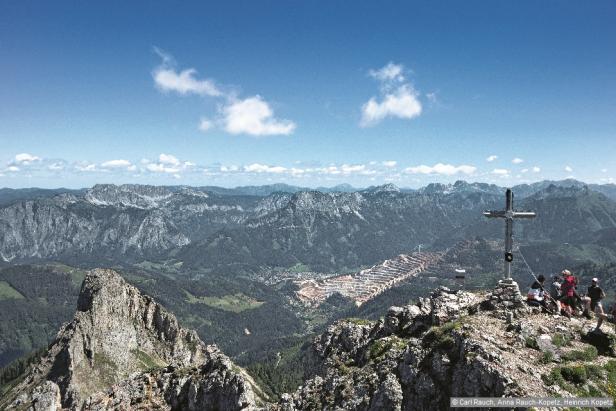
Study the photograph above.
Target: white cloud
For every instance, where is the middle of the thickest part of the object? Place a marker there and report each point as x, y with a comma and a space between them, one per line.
391, 72
348, 169
604, 170
524, 171
443, 169
330, 170
205, 124
161, 168
12, 169
398, 97
254, 116
85, 166
568, 169
402, 103
491, 158
117, 164
500, 171
168, 159
231, 168
536, 169
184, 82
390, 163
262, 168
517, 160
56, 166
25, 158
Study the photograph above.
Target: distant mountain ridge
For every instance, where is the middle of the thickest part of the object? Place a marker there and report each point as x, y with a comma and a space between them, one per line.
8, 195
325, 230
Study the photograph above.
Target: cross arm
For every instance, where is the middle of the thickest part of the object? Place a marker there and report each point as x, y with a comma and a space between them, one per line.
524, 214
495, 214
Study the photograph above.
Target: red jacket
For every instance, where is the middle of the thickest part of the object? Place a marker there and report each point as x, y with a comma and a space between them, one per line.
568, 287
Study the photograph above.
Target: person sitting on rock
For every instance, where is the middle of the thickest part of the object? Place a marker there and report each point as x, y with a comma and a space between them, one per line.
593, 303
536, 293
555, 291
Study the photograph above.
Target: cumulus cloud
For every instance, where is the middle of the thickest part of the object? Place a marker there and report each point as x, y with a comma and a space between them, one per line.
500, 171
232, 168
168, 159
161, 168
390, 163
402, 103
118, 164
85, 166
536, 169
398, 97
517, 160
391, 72
167, 163
255, 117
348, 169
26, 158
183, 82
443, 169
491, 158
262, 168
12, 169
57, 166
568, 169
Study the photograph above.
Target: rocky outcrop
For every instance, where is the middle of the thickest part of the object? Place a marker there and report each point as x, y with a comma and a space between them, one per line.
453, 343
123, 348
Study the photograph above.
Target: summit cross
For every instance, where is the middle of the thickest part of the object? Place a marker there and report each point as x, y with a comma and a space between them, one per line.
509, 214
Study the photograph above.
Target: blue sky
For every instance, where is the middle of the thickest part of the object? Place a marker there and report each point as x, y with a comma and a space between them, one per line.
308, 93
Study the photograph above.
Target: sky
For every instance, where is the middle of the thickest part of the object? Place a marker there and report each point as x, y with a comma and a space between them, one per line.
313, 93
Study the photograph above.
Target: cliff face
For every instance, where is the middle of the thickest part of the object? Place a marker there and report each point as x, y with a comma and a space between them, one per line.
123, 348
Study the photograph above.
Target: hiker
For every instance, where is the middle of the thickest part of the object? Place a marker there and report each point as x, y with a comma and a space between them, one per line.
555, 291
569, 295
593, 303
536, 294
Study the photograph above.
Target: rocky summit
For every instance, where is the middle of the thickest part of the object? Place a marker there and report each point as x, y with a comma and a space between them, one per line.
456, 343
123, 351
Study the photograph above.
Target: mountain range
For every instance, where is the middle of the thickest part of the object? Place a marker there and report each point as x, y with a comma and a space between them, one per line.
242, 229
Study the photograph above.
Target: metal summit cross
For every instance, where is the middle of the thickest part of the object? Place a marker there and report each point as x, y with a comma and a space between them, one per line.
509, 214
